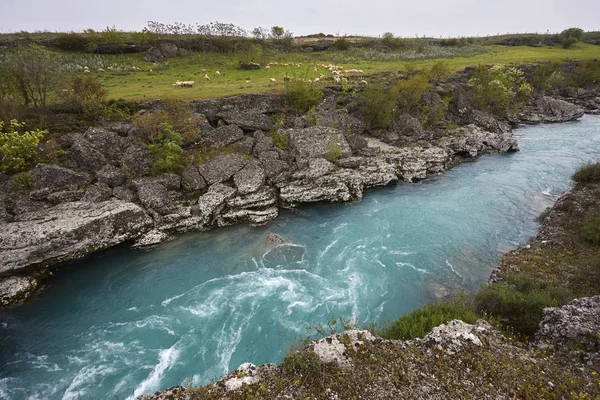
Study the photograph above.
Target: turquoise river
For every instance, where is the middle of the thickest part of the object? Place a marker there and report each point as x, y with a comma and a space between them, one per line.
126, 322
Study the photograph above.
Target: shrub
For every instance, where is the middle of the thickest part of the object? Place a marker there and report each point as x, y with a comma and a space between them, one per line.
589, 173
518, 302
175, 112
587, 75
342, 43
18, 150
439, 71
303, 94
410, 92
546, 76
571, 36
167, 150
378, 105
72, 41
421, 321
86, 95
498, 90
335, 149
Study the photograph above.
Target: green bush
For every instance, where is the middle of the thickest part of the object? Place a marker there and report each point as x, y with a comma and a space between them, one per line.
18, 150
439, 71
303, 93
85, 94
167, 150
176, 112
571, 36
72, 41
587, 75
421, 321
378, 105
498, 90
410, 92
342, 43
517, 303
589, 173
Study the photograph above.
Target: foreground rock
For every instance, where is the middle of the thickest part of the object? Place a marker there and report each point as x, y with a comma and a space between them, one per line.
550, 110
68, 231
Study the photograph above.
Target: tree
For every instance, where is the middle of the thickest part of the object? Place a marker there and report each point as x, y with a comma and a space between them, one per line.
277, 32
34, 75
571, 36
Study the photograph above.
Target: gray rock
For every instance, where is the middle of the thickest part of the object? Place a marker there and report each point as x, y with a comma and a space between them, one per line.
246, 146
572, 326
549, 110
168, 180
55, 177
65, 196
252, 217
68, 231
222, 136
137, 161
316, 168
248, 120
332, 349
151, 238
108, 143
350, 162
191, 179
263, 144
86, 156
125, 194
212, 203
276, 170
249, 179
457, 335
154, 196
342, 121
264, 198
163, 51
97, 193
111, 175
16, 288
246, 374
222, 168
487, 122
317, 142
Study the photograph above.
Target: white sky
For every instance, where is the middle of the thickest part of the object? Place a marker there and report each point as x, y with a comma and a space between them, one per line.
373, 17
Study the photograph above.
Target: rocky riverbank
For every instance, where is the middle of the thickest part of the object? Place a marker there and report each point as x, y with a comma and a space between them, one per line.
264, 157
456, 359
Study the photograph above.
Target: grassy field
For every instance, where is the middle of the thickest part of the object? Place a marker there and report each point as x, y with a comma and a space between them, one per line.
155, 80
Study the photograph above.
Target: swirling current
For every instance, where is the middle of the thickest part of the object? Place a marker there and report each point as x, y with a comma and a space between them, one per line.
126, 322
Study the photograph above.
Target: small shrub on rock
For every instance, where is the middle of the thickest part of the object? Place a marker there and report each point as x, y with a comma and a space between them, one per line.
304, 94
18, 148
167, 150
589, 173
342, 43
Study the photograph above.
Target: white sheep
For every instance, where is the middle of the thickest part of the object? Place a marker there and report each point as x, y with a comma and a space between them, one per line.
110, 68
100, 69
217, 73
206, 77
273, 80
363, 82
268, 67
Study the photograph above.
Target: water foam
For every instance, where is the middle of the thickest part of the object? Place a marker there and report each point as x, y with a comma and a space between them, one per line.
166, 359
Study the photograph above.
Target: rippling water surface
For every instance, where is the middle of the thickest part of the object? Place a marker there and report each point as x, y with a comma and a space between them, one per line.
128, 322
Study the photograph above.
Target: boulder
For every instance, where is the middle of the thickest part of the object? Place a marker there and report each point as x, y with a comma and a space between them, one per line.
125, 194
222, 168
65, 196
86, 156
212, 203
248, 120
137, 161
335, 349
245, 146
54, 177
252, 217
550, 110
317, 142
316, 168
276, 170
154, 196
191, 179
457, 335
264, 198
111, 175
97, 193
572, 326
249, 179
342, 121
164, 50
222, 136
108, 143
68, 231
487, 122
263, 143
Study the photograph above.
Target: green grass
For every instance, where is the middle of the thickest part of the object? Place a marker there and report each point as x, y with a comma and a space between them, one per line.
147, 85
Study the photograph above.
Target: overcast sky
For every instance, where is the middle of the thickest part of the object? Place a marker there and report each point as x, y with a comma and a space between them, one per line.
367, 17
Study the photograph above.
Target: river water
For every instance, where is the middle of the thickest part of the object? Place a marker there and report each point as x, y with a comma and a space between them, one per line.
131, 322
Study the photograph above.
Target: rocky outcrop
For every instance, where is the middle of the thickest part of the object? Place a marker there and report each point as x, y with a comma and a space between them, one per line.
249, 179
68, 231
550, 110
456, 335
154, 196
222, 136
574, 326
53, 177
317, 142
222, 168
247, 120
164, 50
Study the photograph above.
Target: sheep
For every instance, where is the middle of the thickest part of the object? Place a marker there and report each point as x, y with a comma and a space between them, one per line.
217, 73
363, 82
87, 71
337, 79
316, 80
273, 80
184, 84
268, 67
206, 77
100, 69
110, 68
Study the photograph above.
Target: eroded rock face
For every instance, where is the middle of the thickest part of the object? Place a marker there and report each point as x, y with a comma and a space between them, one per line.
192, 180
154, 196
573, 326
111, 175
317, 142
248, 120
55, 177
332, 349
550, 110
16, 288
249, 179
222, 168
222, 136
212, 202
68, 231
